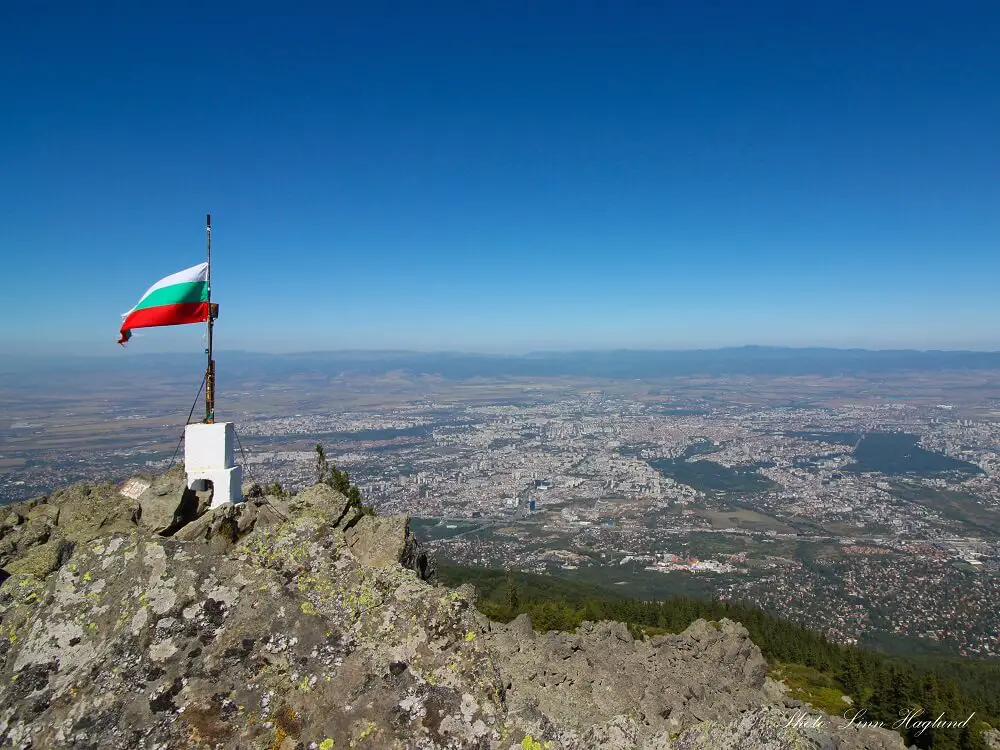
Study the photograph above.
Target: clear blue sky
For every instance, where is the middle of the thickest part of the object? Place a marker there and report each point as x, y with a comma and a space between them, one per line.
504, 176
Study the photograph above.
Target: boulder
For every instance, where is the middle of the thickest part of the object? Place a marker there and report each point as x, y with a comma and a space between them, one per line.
168, 504
220, 526
415, 558
42, 559
78, 513
48, 512
686, 678
378, 542
10, 521
225, 525
321, 501
17, 540
89, 511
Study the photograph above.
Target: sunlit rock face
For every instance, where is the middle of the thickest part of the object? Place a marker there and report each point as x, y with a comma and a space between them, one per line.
152, 622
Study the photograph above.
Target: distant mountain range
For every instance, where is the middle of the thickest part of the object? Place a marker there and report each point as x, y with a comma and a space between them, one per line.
643, 364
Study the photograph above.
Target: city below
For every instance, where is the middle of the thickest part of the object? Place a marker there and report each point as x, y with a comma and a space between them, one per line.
865, 507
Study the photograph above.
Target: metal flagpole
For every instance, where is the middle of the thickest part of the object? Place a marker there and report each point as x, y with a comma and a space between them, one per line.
210, 371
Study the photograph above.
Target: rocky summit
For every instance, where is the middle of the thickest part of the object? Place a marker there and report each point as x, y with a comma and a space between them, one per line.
300, 622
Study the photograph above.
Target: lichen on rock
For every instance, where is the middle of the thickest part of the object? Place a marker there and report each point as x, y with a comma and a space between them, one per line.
299, 623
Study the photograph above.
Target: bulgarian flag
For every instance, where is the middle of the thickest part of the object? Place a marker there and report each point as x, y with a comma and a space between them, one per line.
175, 300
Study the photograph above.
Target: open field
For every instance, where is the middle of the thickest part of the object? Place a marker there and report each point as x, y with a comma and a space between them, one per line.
743, 518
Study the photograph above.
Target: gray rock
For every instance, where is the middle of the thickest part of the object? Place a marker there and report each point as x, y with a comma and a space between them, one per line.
87, 512
520, 629
415, 558
285, 637
320, 499
47, 513
218, 525
708, 673
78, 513
223, 526
42, 559
378, 541
168, 504
291, 622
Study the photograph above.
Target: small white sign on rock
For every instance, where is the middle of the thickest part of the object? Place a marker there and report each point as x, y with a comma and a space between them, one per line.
134, 487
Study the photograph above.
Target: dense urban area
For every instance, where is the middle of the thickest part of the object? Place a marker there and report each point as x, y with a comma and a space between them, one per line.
875, 521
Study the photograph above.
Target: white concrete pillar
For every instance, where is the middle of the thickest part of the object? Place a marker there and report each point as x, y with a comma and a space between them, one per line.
208, 455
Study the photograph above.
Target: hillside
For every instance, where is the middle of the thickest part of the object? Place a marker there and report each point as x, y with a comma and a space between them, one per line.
302, 622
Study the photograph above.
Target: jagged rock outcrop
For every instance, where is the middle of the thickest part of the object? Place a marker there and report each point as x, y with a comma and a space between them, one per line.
33, 530
302, 623
706, 673
378, 542
704, 688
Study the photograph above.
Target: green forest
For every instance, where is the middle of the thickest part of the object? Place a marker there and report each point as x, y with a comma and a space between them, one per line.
885, 686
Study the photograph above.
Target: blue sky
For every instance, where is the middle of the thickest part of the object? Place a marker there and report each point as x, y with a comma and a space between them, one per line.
504, 176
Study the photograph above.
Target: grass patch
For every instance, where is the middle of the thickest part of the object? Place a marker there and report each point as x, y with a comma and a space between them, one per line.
812, 686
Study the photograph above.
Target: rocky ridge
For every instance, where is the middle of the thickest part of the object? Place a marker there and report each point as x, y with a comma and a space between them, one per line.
302, 623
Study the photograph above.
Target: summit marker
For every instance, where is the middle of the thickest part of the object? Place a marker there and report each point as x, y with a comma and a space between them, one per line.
178, 299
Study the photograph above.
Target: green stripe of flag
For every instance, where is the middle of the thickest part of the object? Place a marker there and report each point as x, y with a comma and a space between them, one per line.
175, 294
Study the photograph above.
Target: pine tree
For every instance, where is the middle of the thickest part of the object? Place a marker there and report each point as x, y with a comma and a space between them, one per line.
971, 740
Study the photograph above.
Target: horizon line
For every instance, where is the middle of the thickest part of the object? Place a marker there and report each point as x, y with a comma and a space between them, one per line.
528, 353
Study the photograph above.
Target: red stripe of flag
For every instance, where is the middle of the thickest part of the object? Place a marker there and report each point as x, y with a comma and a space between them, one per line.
164, 315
